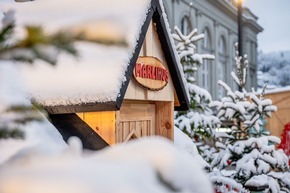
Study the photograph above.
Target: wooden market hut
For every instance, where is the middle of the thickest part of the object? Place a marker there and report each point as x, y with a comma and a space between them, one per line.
280, 98
152, 87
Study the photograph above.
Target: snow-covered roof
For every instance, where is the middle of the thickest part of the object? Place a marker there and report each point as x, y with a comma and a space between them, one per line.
98, 78
278, 90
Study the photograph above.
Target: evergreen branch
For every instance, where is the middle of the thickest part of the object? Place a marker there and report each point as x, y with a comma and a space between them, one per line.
6, 133
6, 33
24, 114
121, 43
21, 108
27, 119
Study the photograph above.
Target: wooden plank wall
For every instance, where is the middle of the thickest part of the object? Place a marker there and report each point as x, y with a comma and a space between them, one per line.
134, 120
164, 99
276, 123
165, 119
151, 47
103, 123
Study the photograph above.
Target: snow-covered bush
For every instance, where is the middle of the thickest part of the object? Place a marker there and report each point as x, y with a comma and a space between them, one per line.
198, 122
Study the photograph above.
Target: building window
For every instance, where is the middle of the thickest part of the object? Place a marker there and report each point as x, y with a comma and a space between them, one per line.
221, 65
252, 79
206, 40
253, 53
205, 75
185, 25
206, 67
222, 46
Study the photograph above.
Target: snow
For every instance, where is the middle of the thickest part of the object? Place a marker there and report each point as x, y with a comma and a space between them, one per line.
40, 138
199, 93
183, 142
278, 90
121, 168
76, 13
37, 134
98, 73
9, 85
256, 181
96, 78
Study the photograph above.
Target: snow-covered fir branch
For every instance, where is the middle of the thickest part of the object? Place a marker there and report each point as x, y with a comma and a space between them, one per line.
248, 160
186, 46
250, 157
198, 123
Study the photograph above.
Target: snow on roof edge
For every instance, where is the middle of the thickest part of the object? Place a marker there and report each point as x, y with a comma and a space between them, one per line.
174, 50
278, 90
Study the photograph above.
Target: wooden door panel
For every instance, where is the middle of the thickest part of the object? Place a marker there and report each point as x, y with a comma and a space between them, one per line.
135, 121
141, 128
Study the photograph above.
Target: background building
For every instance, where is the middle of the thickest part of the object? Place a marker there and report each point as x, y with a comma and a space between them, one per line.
217, 19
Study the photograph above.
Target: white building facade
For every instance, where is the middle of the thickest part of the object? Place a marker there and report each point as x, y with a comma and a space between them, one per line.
217, 19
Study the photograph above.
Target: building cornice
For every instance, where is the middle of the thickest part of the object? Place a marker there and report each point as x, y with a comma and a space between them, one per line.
249, 18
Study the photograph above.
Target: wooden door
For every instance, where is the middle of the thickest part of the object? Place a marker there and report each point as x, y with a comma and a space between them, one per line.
135, 120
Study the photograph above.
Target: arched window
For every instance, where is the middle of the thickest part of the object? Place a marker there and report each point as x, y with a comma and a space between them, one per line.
222, 46
207, 39
206, 67
221, 64
185, 25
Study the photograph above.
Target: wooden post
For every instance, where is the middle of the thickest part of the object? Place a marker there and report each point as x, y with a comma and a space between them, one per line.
165, 119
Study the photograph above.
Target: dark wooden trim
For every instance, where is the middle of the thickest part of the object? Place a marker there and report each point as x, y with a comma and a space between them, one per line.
71, 125
88, 107
129, 72
170, 59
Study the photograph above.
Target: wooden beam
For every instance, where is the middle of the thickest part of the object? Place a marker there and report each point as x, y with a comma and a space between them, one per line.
71, 125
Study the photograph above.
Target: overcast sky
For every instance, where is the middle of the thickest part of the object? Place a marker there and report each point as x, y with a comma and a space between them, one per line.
274, 17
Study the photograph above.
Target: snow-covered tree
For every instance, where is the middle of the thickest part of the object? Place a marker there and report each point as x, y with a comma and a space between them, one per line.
249, 157
245, 110
254, 162
198, 122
